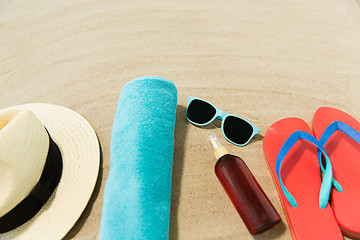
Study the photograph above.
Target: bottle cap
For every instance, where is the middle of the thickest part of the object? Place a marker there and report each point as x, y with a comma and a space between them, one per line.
219, 149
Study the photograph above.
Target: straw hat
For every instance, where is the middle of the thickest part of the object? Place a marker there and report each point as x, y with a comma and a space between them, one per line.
45, 145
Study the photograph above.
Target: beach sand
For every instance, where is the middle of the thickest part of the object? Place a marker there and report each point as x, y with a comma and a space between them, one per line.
262, 60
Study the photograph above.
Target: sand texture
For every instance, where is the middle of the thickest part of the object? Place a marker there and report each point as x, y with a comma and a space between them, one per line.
263, 60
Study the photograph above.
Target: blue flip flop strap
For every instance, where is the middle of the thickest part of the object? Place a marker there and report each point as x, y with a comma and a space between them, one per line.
329, 131
326, 183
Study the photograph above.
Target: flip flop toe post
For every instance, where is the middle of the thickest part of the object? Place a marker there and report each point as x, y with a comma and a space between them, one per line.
291, 154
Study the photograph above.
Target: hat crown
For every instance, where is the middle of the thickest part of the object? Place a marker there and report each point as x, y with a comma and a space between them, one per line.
24, 145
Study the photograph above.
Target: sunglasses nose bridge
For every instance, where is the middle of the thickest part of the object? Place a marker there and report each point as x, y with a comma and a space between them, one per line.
220, 114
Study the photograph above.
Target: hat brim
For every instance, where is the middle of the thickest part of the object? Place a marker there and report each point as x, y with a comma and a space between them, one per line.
80, 151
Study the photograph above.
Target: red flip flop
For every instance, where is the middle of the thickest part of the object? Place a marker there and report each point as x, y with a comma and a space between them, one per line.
300, 173
344, 153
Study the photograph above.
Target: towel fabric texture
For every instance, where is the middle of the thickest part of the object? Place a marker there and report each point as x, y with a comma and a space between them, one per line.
138, 189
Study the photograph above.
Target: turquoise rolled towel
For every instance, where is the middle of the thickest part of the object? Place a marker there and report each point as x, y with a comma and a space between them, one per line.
138, 190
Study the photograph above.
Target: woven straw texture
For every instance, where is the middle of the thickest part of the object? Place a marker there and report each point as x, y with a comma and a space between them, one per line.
79, 147
24, 147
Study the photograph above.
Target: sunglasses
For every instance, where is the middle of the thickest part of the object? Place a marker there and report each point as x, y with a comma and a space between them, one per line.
235, 129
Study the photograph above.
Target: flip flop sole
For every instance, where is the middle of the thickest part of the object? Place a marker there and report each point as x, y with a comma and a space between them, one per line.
301, 175
344, 155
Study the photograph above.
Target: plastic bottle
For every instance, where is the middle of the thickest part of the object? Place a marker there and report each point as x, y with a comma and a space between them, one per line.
249, 199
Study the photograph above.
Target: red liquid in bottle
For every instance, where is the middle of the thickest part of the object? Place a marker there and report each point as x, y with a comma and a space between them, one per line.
249, 199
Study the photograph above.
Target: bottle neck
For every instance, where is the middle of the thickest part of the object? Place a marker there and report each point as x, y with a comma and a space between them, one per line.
219, 152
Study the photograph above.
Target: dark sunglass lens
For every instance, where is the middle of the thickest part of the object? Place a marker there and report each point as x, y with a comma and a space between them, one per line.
237, 130
200, 112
